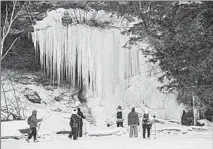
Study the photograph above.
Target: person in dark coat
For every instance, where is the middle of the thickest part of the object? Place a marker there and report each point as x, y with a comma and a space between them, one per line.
119, 117
183, 118
133, 122
146, 124
33, 122
81, 115
74, 124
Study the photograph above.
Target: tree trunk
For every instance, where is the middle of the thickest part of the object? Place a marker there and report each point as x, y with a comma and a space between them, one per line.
194, 109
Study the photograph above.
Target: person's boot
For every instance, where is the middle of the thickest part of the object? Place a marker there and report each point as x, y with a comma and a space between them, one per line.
70, 137
28, 140
36, 140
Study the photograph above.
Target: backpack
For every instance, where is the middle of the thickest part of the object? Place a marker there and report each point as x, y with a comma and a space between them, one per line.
145, 118
29, 120
119, 115
74, 122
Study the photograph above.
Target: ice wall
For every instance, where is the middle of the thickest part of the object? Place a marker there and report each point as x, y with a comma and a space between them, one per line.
95, 58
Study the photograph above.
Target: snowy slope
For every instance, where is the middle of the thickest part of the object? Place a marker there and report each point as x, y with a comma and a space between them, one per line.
56, 114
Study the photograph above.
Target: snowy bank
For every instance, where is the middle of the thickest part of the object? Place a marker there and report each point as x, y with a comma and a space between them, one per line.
10, 129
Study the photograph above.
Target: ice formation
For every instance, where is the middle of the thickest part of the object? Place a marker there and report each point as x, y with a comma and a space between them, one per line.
94, 57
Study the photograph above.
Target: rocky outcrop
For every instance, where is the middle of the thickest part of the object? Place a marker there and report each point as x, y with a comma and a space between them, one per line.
32, 96
58, 98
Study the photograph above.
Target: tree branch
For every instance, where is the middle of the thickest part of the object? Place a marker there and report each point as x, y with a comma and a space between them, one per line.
16, 54
145, 25
19, 11
9, 49
11, 19
5, 21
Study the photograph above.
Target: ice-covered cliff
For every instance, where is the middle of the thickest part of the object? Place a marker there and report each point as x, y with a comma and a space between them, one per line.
94, 57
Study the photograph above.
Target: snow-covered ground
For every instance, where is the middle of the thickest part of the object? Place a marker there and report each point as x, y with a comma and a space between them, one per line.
169, 136
193, 140
56, 118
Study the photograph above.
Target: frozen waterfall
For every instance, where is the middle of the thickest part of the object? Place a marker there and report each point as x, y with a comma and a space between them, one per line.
94, 57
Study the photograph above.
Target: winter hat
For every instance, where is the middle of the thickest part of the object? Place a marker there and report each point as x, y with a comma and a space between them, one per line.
34, 112
146, 111
119, 107
74, 111
133, 109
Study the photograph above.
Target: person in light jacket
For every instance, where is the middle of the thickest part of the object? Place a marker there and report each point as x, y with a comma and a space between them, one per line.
146, 124
33, 122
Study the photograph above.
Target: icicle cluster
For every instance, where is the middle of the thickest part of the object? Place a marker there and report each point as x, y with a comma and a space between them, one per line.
83, 55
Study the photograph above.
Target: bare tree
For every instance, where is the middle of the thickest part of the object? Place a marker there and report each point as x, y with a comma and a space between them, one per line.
11, 103
9, 19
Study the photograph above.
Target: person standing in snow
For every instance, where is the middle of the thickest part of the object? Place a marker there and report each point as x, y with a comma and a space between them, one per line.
74, 124
32, 122
133, 122
119, 117
146, 124
81, 115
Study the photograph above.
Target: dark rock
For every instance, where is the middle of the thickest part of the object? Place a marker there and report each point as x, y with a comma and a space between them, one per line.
32, 96
82, 94
57, 110
66, 19
58, 98
200, 124
16, 117
44, 103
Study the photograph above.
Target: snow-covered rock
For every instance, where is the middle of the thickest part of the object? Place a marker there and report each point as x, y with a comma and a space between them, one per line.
32, 95
204, 122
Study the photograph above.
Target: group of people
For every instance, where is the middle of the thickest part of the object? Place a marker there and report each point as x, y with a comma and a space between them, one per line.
133, 122
76, 124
